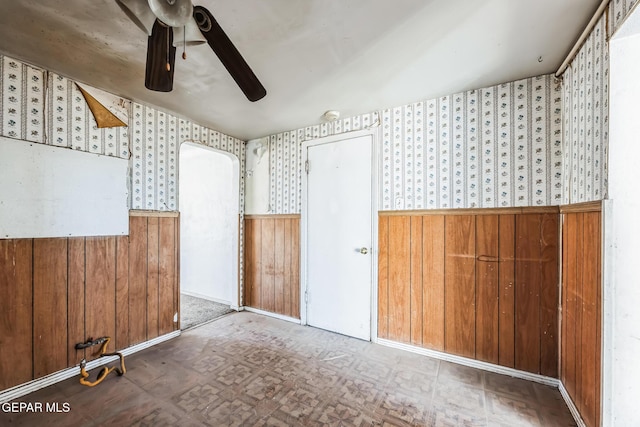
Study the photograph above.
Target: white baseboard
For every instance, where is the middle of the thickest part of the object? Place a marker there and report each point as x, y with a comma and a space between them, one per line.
40, 383
472, 363
269, 314
572, 407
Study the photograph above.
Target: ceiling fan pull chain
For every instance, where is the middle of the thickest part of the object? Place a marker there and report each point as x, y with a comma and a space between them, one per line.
168, 51
184, 43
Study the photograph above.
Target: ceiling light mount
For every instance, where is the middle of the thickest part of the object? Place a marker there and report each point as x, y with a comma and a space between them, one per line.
331, 115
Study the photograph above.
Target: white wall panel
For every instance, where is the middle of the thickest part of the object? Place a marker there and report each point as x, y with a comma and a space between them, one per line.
48, 191
621, 383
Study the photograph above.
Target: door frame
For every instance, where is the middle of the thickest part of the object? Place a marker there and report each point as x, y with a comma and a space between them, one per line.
374, 134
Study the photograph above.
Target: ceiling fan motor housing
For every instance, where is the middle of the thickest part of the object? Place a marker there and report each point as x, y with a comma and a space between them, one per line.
175, 13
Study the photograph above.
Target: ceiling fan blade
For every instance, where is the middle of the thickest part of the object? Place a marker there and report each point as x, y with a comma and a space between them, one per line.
161, 59
228, 55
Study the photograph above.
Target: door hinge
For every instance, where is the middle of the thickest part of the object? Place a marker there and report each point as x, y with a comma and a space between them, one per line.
306, 297
306, 166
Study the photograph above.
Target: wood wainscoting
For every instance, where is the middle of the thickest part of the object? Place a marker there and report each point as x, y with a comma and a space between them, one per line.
478, 283
580, 366
272, 263
57, 292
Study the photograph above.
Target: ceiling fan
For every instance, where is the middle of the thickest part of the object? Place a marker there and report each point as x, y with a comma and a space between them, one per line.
172, 23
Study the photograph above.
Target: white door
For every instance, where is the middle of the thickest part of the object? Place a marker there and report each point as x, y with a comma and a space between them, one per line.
338, 236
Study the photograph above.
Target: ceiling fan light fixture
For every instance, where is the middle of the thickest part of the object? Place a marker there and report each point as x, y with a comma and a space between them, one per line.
175, 13
189, 35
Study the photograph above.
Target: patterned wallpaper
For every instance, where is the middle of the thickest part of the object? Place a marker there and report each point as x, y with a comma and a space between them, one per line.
493, 147
22, 90
618, 11
585, 92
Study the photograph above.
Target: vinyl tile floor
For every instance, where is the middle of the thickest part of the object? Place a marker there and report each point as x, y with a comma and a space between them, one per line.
245, 369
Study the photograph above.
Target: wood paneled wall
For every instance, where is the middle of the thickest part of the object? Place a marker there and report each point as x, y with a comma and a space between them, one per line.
582, 308
272, 263
57, 292
481, 284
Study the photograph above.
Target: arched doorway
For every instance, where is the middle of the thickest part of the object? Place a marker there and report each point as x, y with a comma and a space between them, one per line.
209, 211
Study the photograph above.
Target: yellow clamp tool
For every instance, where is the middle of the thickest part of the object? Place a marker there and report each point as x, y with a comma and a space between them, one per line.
104, 371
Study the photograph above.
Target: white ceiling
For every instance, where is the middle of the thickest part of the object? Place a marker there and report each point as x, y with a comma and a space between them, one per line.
355, 56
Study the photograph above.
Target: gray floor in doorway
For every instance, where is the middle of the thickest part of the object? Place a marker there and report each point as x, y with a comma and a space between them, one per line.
196, 311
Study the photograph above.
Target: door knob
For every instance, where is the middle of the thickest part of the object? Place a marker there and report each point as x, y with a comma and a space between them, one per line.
364, 251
